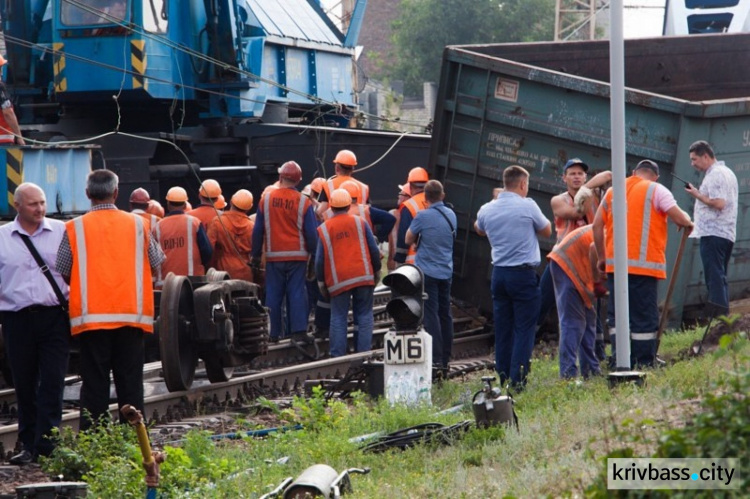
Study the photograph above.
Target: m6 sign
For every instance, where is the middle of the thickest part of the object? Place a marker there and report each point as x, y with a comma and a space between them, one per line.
404, 349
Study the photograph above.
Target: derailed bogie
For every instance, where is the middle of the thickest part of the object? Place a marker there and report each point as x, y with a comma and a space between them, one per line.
219, 321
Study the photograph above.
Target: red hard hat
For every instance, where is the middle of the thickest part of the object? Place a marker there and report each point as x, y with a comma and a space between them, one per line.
140, 196
210, 188
177, 195
352, 188
317, 184
243, 199
291, 171
346, 158
340, 198
418, 174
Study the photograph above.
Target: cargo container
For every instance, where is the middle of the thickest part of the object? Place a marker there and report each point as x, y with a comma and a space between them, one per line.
539, 104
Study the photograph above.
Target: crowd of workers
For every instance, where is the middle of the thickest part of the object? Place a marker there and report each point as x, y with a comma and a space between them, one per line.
317, 251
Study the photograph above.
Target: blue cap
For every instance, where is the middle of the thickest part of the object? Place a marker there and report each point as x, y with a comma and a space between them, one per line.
576, 162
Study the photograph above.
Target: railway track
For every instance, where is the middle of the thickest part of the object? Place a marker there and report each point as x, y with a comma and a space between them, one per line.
282, 371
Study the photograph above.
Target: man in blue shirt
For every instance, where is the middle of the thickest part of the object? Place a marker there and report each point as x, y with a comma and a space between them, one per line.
512, 223
436, 229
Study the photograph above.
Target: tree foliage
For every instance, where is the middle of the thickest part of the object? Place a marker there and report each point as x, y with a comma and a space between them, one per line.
425, 27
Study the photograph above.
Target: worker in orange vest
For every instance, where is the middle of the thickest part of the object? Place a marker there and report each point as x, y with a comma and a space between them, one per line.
347, 266
404, 193
380, 221
140, 201
285, 230
208, 194
107, 256
418, 177
572, 267
183, 238
343, 164
650, 204
231, 235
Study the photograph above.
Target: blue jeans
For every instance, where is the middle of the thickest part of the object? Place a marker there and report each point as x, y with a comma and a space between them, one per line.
438, 321
715, 254
362, 299
515, 298
577, 327
287, 280
644, 317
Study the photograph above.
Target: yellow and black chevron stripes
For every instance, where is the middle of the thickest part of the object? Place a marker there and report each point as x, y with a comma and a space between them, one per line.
58, 64
14, 170
138, 61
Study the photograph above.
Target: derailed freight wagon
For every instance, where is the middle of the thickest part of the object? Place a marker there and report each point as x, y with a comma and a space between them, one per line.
539, 104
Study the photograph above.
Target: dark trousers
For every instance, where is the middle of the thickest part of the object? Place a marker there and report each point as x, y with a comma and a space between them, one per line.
38, 343
715, 254
515, 298
548, 295
438, 321
104, 350
644, 317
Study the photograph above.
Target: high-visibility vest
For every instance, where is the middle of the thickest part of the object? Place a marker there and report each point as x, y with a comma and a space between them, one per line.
346, 253
6, 134
415, 204
647, 230
179, 241
335, 182
231, 237
110, 281
360, 210
284, 219
572, 255
564, 226
204, 213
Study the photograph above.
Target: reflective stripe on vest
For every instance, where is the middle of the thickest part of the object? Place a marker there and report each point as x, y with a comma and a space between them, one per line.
85, 317
643, 336
415, 204
334, 284
270, 253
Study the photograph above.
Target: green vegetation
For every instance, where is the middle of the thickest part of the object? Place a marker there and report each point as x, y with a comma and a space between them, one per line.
424, 27
566, 429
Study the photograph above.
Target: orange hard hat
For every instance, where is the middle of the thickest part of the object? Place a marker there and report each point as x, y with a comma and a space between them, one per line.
220, 202
291, 171
418, 174
3, 62
140, 196
317, 185
210, 188
346, 158
177, 195
404, 190
340, 198
188, 206
243, 199
352, 188
155, 208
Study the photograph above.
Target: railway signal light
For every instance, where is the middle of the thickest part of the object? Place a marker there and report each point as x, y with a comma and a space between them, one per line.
406, 306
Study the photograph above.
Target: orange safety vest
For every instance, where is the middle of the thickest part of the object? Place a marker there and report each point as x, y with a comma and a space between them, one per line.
204, 213
179, 241
335, 182
564, 226
415, 204
360, 210
647, 230
346, 253
229, 234
6, 134
110, 281
572, 255
284, 218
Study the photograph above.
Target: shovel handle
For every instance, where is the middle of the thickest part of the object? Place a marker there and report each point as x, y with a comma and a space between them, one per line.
670, 287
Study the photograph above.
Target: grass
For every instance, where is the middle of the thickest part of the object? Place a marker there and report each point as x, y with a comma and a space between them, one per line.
565, 427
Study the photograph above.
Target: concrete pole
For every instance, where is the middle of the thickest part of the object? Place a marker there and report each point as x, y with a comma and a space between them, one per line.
619, 209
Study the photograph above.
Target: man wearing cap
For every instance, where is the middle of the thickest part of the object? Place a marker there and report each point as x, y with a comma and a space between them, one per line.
183, 238
650, 204
513, 223
231, 235
285, 229
208, 194
10, 132
347, 266
418, 177
343, 164
715, 222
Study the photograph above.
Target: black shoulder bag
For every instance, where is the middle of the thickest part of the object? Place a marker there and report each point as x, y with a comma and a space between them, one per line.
45, 270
